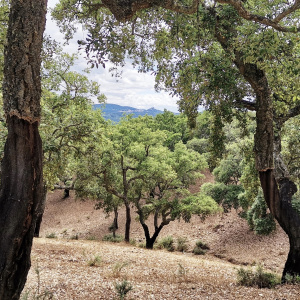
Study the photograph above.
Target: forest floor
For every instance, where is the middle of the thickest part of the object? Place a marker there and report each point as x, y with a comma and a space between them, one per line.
61, 265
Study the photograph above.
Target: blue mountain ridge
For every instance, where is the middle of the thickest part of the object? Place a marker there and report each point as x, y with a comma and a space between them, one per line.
115, 112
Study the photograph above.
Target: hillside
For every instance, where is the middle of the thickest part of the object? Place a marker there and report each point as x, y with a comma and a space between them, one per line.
63, 262
115, 112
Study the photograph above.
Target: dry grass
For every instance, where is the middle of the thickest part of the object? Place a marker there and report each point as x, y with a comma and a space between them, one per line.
154, 274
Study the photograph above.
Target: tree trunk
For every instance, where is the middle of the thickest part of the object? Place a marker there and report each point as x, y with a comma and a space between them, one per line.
20, 199
66, 193
274, 177
21, 193
127, 225
40, 214
151, 240
116, 226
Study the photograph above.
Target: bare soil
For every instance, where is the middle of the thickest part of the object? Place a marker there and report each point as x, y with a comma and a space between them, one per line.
61, 265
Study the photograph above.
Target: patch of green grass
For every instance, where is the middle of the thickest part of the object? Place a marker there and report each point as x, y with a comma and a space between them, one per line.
111, 238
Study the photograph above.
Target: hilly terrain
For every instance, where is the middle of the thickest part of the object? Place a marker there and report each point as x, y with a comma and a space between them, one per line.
70, 260
115, 112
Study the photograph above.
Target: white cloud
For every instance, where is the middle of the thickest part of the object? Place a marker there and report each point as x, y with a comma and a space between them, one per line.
133, 89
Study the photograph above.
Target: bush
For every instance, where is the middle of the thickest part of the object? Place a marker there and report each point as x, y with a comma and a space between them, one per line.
200, 248
166, 243
111, 238
182, 244
258, 218
225, 195
198, 251
123, 288
258, 278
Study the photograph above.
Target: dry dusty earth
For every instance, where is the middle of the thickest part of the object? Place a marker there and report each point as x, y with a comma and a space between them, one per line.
63, 269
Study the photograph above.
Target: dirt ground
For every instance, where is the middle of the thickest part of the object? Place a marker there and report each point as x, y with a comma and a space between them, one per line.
61, 265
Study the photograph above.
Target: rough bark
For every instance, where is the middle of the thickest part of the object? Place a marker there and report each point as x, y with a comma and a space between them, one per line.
151, 240
21, 192
275, 181
274, 177
127, 224
116, 214
20, 199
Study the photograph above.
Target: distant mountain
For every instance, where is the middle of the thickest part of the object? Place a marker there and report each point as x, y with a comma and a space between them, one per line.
114, 112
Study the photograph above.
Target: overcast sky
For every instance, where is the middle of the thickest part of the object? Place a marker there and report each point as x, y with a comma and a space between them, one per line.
133, 89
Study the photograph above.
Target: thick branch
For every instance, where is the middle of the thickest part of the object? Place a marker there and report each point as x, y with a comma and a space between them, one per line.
124, 10
246, 104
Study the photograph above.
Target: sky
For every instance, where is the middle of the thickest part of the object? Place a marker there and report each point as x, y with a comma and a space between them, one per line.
133, 89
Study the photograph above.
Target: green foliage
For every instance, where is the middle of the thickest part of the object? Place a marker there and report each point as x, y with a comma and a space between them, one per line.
132, 163
228, 171
296, 203
123, 288
200, 248
225, 195
258, 217
198, 145
290, 279
290, 147
198, 204
111, 238
258, 278
4, 11
166, 243
175, 126
182, 244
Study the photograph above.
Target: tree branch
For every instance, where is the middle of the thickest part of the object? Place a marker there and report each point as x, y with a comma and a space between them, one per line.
124, 10
245, 14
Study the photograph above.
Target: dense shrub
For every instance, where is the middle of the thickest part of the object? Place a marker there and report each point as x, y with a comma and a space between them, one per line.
258, 278
225, 195
200, 248
258, 217
182, 244
166, 243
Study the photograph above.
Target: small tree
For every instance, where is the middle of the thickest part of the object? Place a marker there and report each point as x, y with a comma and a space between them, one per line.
166, 196
135, 166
